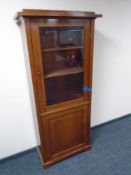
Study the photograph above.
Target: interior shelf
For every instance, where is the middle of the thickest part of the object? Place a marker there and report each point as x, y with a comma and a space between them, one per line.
62, 48
66, 71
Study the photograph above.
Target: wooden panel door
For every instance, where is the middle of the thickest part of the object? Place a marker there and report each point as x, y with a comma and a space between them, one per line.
67, 132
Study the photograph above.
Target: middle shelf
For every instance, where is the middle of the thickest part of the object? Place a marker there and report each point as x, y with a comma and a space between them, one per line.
67, 71
62, 48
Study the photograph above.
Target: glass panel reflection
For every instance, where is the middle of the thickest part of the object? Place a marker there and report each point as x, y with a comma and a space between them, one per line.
62, 57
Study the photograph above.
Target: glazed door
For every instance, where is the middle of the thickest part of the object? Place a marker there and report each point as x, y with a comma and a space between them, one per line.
62, 62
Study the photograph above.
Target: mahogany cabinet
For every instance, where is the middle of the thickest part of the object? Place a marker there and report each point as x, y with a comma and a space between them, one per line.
60, 47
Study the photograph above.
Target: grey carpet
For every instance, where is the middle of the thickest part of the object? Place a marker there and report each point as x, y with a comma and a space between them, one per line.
110, 155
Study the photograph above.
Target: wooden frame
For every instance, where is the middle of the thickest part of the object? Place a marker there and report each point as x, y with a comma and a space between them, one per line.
64, 127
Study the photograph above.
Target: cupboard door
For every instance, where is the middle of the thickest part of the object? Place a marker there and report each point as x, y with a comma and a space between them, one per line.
62, 63
67, 131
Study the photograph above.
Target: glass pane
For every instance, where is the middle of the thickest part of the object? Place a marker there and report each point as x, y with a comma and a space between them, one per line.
62, 57
63, 88
56, 61
60, 37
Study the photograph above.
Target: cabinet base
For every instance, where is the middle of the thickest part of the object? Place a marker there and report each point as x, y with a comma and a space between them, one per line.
62, 157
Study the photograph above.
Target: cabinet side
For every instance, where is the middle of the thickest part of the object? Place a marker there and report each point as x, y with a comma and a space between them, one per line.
24, 26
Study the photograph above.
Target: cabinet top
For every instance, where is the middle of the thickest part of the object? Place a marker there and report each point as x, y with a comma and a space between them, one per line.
57, 14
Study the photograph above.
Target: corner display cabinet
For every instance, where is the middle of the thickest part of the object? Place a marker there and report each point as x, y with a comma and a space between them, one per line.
60, 49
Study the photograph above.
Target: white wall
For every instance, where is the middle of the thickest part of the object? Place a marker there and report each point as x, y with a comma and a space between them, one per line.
112, 72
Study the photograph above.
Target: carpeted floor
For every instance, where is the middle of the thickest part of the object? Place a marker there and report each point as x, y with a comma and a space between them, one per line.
110, 155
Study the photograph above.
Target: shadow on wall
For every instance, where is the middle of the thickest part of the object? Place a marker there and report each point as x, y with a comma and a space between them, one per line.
101, 68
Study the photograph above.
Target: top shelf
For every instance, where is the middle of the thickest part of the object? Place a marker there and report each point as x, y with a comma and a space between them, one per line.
62, 48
